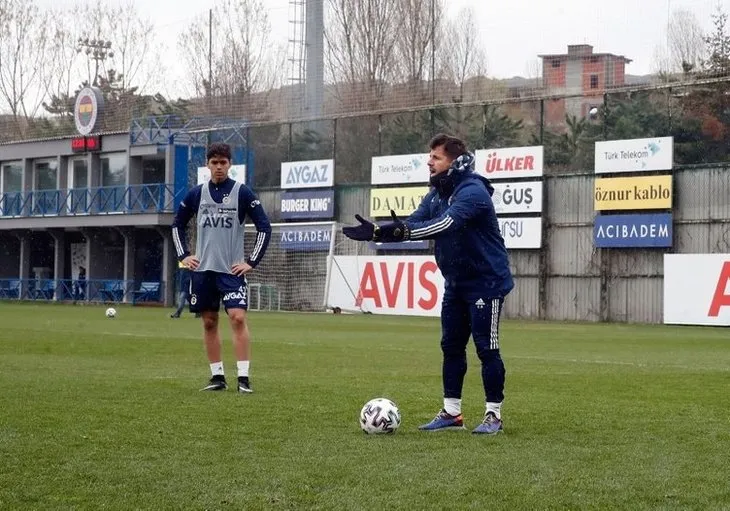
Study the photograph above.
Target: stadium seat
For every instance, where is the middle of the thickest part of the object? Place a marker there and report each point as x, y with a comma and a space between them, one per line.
45, 290
10, 289
147, 292
112, 291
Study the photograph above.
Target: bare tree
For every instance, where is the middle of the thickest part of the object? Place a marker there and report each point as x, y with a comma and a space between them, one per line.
62, 64
131, 53
685, 40
533, 73
22, 46
193, 43
361, 39
420, 27
132, 40
243, 61
244, 65
464, 58
662, 63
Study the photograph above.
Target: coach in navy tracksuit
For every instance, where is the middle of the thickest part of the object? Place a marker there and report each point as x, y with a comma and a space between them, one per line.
459, 214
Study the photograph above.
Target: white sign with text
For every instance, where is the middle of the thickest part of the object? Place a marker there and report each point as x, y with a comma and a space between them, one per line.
236, 172
697, 289
634, 155
520, 232
307, 174
522, 197
509, 162
399, 169
396, 285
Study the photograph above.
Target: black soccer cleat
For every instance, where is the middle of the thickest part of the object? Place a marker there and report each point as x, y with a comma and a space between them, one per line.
217, 382
244, 386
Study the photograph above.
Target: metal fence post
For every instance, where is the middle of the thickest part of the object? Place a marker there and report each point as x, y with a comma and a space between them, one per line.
605, 253
543, 266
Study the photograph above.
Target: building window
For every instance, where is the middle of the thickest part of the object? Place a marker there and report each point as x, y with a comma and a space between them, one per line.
11, 186
594, 60
79, 174
78, 182
594, 81
112, 179
153, 171
11, 177
556, 63
113, 169
45, 183
46, 175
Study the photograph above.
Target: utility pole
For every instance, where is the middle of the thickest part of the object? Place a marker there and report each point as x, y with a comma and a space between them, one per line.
433, 52
210, 53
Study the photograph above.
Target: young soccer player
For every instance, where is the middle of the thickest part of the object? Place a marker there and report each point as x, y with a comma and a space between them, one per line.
219, 264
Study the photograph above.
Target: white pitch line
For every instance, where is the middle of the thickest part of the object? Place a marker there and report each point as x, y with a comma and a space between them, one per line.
620, 363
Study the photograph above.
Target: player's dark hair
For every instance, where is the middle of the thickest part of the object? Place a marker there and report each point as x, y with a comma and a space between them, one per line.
219, 150
453, 147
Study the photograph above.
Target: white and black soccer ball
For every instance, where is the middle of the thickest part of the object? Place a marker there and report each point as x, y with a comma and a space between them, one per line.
111, 312
378, 416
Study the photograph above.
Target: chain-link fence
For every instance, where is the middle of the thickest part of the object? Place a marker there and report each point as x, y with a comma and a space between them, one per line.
696, 114
568, 278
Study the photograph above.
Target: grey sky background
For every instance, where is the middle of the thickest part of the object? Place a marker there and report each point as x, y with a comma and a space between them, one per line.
513, 33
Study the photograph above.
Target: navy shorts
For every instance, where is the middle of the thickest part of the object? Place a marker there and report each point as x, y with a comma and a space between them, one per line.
208, 288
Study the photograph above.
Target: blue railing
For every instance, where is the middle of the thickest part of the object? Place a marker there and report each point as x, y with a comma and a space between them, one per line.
154, 129
151, 198
97, 290
200, 131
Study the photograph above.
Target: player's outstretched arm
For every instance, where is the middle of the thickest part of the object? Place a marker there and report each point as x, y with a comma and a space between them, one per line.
465, 205
423, 211
364, 232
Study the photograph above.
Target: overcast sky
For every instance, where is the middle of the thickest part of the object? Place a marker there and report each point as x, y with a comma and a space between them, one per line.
513, 32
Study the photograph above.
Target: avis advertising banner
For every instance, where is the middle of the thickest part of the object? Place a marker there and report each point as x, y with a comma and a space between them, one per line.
519, 233
697, 289
307, 174
236, 172
510, 162
308, 204
634, 155
523, 197
628, 231
398, 169
396, 285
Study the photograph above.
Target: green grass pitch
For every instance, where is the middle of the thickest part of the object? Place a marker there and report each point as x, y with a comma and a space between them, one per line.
100, 413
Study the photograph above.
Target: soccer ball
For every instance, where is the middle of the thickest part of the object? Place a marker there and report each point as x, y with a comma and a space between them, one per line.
379, 415
111, 312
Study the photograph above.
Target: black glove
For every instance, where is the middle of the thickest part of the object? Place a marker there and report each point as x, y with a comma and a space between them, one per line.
363, 232
394, 231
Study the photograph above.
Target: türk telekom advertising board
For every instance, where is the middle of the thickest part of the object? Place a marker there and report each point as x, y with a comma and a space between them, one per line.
697, 289
396, 285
